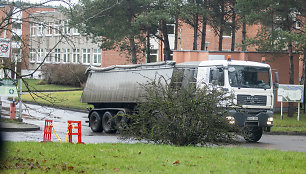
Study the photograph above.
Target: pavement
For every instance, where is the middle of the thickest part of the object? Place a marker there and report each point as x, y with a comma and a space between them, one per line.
15, 125
18, 127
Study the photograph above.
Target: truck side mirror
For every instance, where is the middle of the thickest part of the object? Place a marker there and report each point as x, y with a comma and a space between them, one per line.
276, 80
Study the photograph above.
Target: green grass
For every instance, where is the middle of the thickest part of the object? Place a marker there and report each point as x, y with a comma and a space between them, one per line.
68, 99
289, 124
34, 85
34, 157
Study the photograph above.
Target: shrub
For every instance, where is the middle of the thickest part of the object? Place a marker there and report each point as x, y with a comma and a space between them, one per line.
64, 74
181, 116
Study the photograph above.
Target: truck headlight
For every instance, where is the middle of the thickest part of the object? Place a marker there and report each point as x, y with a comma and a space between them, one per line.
230, 119
270, 121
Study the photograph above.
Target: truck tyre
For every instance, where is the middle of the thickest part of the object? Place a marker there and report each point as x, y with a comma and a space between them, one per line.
252, 134
108, 123
121, 120
95, 122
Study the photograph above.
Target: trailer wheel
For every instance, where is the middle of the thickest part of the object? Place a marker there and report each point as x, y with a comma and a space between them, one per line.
95, 122
108, 123
252, 134
121, 120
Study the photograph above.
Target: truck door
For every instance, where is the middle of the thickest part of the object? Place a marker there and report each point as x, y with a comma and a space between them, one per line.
211, 75
182, 77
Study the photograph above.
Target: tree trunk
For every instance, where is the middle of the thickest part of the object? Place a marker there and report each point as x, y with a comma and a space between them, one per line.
243, 35
133, 49
233, 29
220, 39
131, 37
176, 32
195, 31
291, 108
148, 45
167, 51
221, 26
304, 78
204, 22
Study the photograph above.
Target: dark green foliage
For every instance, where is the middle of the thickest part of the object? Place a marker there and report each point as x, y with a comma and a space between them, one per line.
64, 74
181, 116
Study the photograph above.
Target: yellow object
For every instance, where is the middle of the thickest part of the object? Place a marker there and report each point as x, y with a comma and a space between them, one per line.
68, 131
57, 135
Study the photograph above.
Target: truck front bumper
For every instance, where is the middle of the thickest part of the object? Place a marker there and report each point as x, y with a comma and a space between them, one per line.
251, 117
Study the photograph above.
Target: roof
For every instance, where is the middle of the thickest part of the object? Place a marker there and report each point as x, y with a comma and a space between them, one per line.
130, 67
233, 62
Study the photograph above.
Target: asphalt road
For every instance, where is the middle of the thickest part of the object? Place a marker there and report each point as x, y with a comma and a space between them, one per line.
36, 115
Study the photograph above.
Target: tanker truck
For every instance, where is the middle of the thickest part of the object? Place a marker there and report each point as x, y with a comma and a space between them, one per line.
116, 90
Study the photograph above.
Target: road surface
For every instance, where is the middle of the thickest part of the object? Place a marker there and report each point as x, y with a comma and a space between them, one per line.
35, 114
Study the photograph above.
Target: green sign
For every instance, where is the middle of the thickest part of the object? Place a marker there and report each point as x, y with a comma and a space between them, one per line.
8, 88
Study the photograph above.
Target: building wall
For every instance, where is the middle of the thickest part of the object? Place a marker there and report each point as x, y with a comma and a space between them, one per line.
26, 32
51, 38
186, 32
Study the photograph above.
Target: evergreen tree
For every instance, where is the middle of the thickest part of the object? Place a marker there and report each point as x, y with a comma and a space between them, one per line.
110, 22
279, 33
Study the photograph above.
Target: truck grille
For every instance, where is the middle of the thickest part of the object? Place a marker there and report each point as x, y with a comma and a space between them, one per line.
260, 100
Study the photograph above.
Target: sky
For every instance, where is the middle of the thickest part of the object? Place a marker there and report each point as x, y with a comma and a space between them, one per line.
50, 2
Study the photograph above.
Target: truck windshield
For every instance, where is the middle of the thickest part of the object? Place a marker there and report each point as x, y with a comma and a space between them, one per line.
249, 77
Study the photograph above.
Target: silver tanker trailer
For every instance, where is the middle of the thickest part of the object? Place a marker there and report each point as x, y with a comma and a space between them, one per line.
117, 89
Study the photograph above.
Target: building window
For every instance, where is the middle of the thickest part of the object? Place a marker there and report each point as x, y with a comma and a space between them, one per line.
76, 56
227, 31
66, 57
16, 25
49, 29
40, 55
33, 31
86, 56
170, 28
75, 31
57, 27
57, 55
97, 55
33, 55
66, 29
48, 55
40, 29
153, 55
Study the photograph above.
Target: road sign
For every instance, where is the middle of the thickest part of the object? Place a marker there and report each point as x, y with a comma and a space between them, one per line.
5, 47
290, 93
8, 88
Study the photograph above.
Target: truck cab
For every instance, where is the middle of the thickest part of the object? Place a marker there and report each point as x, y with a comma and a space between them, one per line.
252, 86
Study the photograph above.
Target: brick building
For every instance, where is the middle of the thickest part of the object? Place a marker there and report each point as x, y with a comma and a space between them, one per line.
42, 28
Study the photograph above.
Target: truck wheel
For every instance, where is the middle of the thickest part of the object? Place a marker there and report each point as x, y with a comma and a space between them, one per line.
252, 134
95, 122
108, 123
121, 120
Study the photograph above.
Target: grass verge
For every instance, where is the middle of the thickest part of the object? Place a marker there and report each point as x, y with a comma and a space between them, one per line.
32, 157
35, 85
68, 99
289, 124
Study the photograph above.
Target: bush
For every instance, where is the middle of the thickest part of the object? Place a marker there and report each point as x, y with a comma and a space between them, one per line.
181, 116
64, 74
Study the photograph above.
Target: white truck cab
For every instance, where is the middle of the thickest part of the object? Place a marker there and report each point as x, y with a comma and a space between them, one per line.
252, 86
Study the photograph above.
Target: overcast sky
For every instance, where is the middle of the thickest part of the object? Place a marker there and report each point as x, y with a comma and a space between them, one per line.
50, 2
